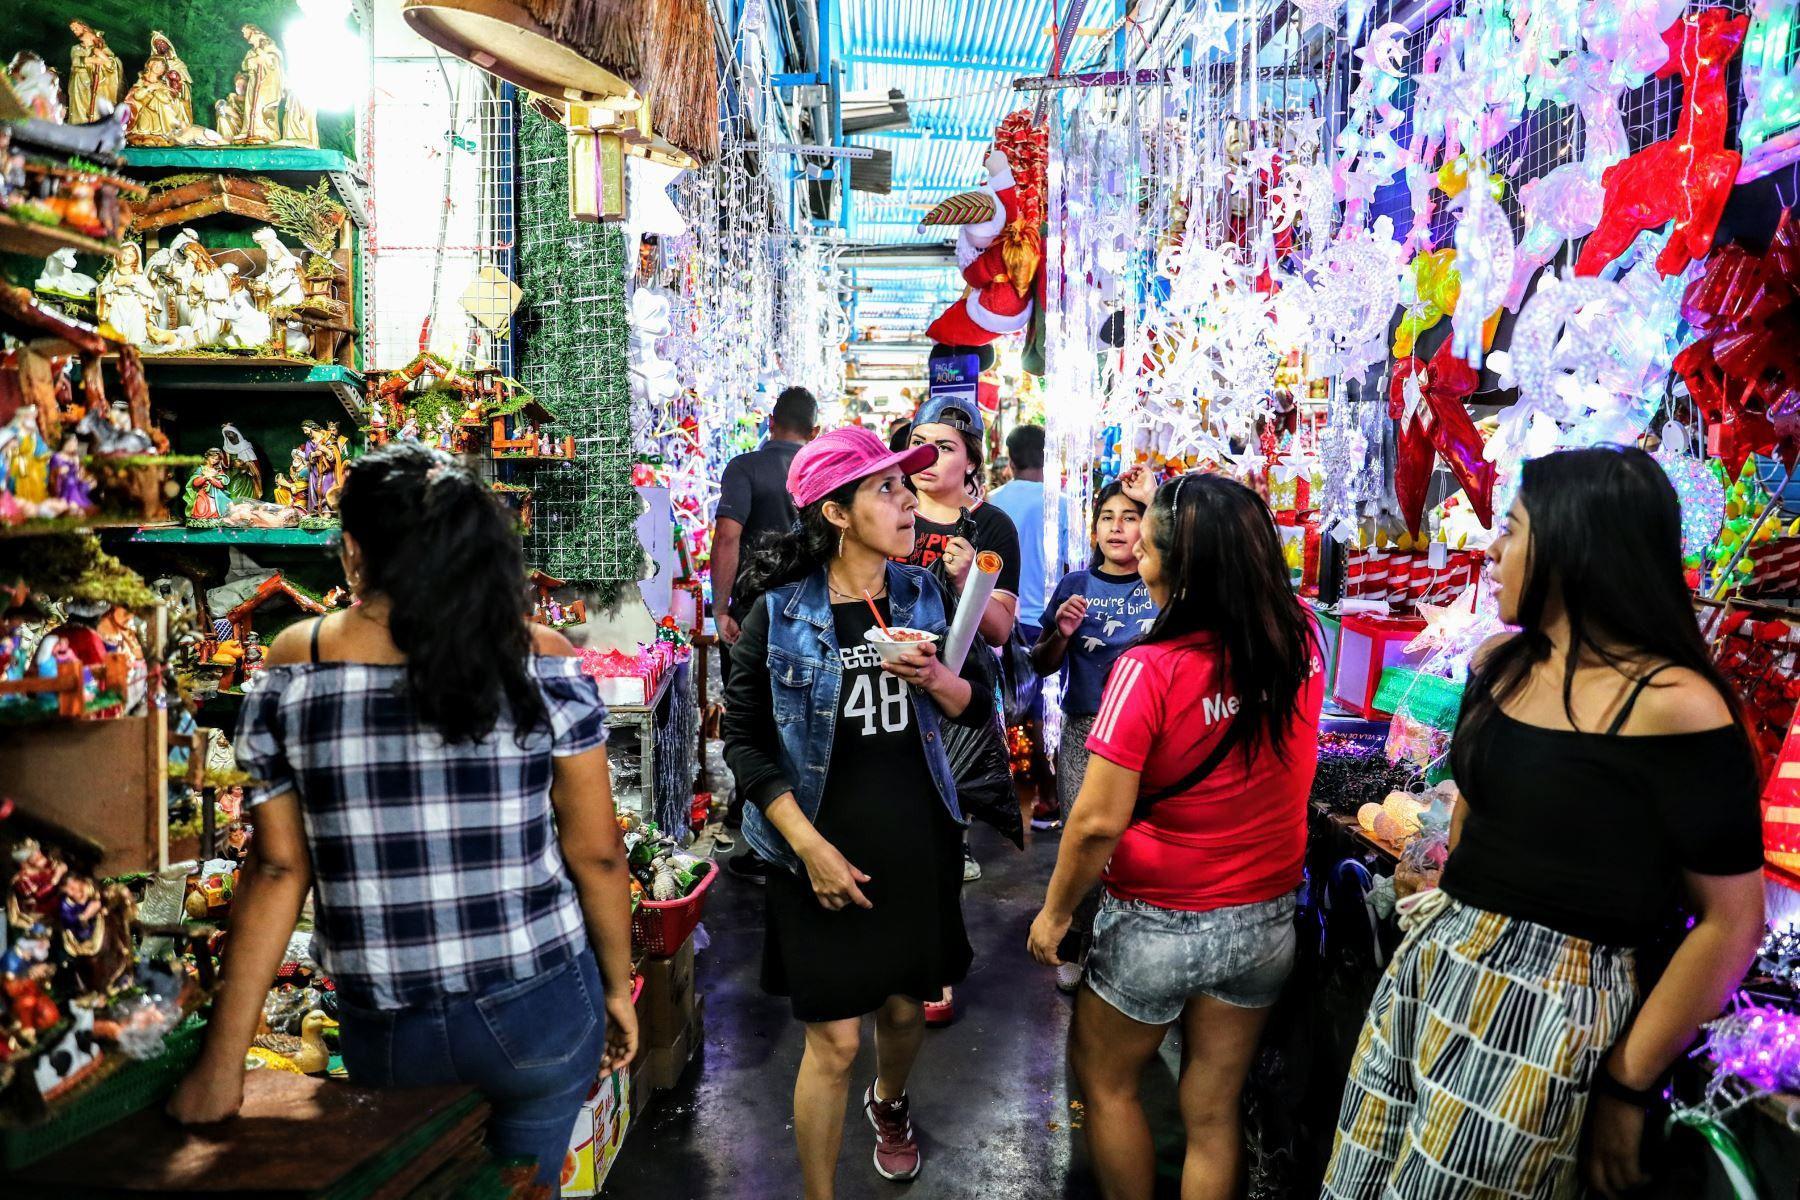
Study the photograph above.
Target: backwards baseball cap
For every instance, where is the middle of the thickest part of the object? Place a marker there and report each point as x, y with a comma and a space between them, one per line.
846, 455
954, 411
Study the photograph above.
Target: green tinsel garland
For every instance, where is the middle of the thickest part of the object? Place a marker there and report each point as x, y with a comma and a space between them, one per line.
573, 332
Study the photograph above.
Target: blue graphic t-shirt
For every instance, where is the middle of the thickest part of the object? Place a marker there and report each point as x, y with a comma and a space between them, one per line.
1119, 611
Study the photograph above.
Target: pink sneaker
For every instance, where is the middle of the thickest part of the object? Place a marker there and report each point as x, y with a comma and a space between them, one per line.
941, 1011
896, 1149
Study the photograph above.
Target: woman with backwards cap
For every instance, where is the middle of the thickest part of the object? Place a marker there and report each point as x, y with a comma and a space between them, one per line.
841, 761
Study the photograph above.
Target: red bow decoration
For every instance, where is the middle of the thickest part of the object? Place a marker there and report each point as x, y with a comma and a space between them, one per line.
1743, 369
1428, 403
1687, 178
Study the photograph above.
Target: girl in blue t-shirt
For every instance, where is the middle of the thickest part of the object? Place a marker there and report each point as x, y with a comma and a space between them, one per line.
1091, 618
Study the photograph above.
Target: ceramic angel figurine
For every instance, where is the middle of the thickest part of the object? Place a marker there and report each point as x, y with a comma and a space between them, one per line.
262, 71
125, 299
37, 85
155, 116
60, 276
95, 74
180, 79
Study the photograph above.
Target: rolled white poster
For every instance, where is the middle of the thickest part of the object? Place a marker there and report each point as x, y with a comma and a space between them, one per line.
980, 585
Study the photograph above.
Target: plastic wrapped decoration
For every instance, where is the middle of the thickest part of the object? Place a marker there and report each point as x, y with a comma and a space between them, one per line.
1771, 76
1427, 400
1559, 377
1743, 368
1687, 178
1485, 256
1356, 289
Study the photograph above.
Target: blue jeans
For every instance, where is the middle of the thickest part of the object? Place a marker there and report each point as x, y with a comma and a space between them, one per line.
530, 1047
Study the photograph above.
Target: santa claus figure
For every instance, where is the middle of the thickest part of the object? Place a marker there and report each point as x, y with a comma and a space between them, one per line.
1001, 255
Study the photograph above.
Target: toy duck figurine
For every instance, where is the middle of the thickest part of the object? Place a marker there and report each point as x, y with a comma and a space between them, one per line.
307, 1052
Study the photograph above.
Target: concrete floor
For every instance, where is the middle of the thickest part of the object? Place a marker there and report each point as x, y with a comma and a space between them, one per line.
991, 1095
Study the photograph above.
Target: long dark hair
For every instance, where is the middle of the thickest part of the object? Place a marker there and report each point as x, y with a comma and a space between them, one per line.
1115, 488
1605, 537
444, 552
809, 543
1226, 575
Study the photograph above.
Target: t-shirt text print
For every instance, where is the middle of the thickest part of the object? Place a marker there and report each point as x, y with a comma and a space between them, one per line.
875, 701
1115, 616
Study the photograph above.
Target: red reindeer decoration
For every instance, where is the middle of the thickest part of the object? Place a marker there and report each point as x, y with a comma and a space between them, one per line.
1687, 178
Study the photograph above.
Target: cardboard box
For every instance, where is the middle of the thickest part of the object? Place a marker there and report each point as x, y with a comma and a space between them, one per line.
664, 1065
599, 1133
667, 1006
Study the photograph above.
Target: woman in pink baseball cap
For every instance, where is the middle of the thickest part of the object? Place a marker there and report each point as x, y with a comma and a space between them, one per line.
835, 739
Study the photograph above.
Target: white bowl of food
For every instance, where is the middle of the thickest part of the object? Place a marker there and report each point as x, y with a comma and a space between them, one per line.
897, 640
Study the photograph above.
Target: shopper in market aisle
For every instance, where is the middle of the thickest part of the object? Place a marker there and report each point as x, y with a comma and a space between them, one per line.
840, 757
1194, 814
1604, 775
754, 505
434, 769
1022, 499
1090, 619
954, 526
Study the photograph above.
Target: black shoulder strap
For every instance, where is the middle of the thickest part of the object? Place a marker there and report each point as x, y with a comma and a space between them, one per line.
1618, 722
1205, 767
317, 625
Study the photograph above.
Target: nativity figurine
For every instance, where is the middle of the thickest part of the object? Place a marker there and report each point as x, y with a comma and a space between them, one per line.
180, 79
262, 71
95, 75
154, 114
37, 85
60, 278
125, 299
207, 497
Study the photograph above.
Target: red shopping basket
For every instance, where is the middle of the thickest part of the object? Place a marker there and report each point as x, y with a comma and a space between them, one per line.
659, 927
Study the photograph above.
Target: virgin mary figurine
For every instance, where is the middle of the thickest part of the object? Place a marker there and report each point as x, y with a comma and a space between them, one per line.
125, 300
181, 80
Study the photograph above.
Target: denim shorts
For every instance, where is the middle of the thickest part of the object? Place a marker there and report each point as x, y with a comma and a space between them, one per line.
1148, 961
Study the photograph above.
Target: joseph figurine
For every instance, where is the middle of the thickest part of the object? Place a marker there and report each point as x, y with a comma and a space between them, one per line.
94, 75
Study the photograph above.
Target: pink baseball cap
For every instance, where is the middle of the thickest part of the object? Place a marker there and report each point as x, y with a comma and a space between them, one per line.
845, 455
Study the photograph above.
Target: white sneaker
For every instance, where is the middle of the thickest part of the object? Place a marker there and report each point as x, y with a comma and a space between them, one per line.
1068, 978
971, 868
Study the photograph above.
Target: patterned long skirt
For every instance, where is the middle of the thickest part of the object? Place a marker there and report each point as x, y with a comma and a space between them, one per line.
1472, 1075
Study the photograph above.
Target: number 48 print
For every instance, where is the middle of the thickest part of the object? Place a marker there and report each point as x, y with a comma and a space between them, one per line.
892, 706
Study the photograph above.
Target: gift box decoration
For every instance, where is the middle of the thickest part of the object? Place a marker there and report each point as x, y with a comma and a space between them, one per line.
1775, 569
1407, 577
1367, 646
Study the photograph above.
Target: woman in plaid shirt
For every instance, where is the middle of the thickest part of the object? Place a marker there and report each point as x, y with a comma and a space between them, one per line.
433, 768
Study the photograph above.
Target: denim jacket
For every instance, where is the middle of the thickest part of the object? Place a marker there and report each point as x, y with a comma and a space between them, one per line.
783, 702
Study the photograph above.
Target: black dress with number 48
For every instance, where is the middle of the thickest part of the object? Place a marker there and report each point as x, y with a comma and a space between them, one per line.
881, 810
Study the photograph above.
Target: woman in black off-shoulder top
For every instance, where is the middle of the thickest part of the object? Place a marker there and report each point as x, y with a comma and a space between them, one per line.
1606, 783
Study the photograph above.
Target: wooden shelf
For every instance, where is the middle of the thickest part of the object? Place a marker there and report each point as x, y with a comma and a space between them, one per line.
295, 166
101, 780
180, 535
260, 372
41, 241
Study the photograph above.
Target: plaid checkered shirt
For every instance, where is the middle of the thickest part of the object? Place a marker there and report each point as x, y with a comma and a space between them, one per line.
436, 868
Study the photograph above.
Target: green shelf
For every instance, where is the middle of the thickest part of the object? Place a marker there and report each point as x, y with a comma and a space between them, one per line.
209, 372
182, 536
292, 165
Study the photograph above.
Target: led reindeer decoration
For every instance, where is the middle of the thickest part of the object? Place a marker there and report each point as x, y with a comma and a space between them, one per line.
1687, 178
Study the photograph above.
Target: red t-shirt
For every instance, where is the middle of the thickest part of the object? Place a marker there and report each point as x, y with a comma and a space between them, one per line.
1238, 836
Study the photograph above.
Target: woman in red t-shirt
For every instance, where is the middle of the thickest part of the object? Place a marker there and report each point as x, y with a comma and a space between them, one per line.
1201, 842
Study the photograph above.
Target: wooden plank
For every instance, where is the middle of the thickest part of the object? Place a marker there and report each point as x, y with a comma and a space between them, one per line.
103, 780
41, 241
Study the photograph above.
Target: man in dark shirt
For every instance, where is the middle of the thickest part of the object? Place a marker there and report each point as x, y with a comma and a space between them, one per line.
754, 503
